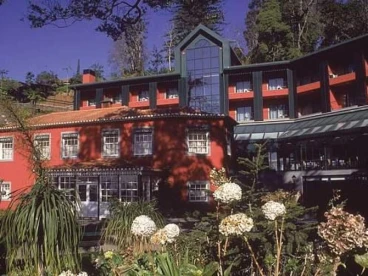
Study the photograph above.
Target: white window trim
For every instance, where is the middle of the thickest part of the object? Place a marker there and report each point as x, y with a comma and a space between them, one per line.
7, 196
173, 96
278, 86
62, 145
12, 154
40, 134
142, 131
236, 114
208, 142
200, 182
103, 142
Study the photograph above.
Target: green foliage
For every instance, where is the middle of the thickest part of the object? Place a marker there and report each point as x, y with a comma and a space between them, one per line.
252, 167
189, 14
99, 71
118, 226
43, 228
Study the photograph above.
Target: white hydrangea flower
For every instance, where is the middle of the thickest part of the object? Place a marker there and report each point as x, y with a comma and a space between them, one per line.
143, 226
69, 273
172, 231
228, 193
160, 237
273, 209
236, 225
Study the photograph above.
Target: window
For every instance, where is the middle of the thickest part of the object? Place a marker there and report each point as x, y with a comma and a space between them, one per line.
276, 84
109, 187
143, 96
129, 188
244, 113
91, 102
66, 184
243, 86
198, 191
116, 98
5, 191
278, 111
69, 145
42, 144
172, 93
143, 142
6, 148
198, 142
110, 143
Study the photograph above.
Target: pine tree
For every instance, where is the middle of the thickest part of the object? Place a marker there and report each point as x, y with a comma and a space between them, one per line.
188, 14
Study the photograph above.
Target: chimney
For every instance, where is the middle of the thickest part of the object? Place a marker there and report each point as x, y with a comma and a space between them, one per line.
88, 76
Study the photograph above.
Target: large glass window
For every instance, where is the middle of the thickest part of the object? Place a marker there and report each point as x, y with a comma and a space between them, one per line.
67, 184
109, 187
143, 96
110, 143
203, 73
129, 188
244, 113
6, 148
143, 142
276, 84
42, 144
69, 145
278, 111
243, 86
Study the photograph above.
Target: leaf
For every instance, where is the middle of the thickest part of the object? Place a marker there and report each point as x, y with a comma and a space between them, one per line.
361, 260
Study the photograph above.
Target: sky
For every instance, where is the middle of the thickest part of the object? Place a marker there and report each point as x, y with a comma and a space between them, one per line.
23, 49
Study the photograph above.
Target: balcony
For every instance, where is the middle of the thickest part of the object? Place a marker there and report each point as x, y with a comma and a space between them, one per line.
275, 93
308, 87
164, 102
341, 79
241, 95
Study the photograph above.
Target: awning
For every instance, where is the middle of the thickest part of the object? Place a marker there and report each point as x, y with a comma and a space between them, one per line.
343, 120
260, 130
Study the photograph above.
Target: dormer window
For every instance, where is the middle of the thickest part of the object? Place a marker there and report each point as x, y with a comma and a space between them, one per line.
143, 96
276, 84
243, 87
172, 93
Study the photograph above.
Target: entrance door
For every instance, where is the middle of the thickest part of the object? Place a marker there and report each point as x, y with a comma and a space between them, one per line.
87, 188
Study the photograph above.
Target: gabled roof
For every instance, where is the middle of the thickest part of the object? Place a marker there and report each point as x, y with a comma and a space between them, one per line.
203, 30
113, 114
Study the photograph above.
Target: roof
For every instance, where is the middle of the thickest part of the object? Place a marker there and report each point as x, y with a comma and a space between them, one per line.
126, 80
343, 120
349, 119
113, 114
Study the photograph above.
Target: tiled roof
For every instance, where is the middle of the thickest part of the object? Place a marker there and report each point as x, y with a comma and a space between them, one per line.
121, 113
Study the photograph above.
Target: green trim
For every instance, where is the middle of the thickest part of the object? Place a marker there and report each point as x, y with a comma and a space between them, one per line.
291, 80
325, 86
77, 100
258, 97
257, 65
224, 105
153, 95
99, 97
125, 95
183, 93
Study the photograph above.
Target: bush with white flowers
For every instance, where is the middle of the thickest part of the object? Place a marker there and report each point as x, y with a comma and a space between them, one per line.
228, 193
237, 224
160, 237
172, 231
143, 226
273, 209
69, 273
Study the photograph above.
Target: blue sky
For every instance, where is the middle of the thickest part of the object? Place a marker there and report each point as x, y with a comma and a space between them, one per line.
23, 49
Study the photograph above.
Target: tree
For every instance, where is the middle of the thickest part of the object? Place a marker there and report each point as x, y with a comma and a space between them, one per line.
128, 53
274, 41
41, 223
47, 78
188, 14
114, 16
99, 71
157, 62
3, 73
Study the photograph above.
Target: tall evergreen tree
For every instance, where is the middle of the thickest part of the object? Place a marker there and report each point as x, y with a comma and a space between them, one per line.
274, 35
188, 14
